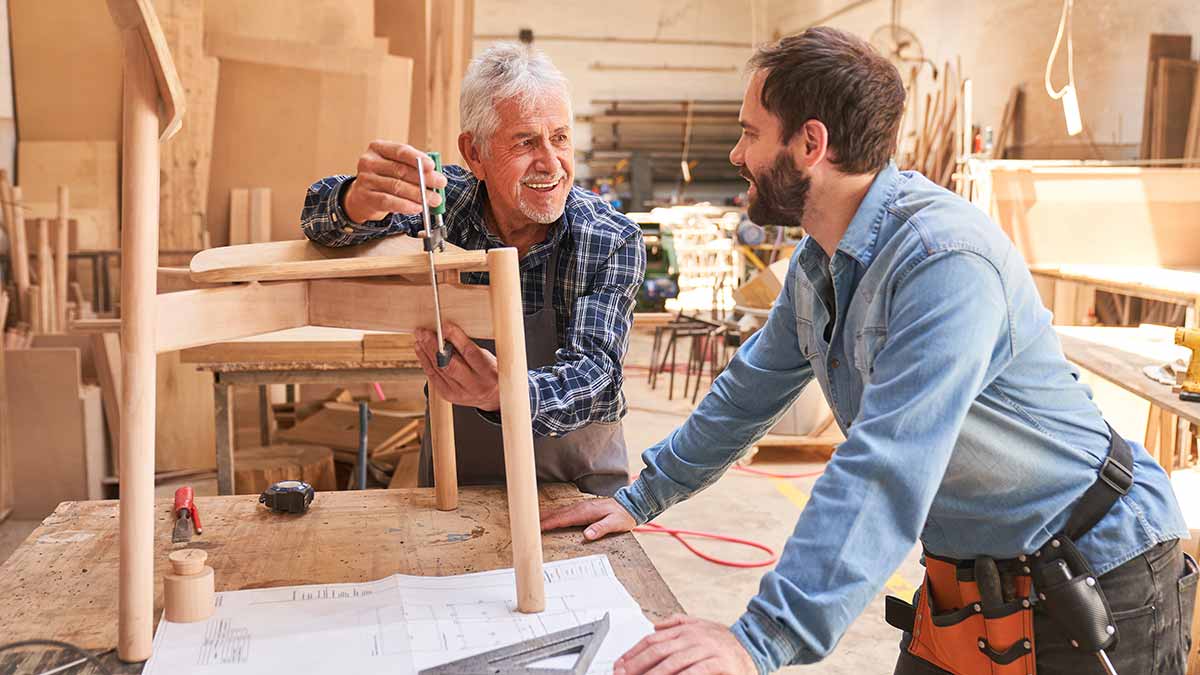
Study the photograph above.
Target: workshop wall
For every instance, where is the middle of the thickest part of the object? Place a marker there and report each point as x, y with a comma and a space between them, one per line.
714, 35
1004, 43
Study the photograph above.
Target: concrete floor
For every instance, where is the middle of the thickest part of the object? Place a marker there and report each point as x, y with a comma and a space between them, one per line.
760, 509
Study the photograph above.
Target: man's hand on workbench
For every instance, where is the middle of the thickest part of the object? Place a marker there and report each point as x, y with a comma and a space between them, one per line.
387, 182
599, 516
683, 644
472, 378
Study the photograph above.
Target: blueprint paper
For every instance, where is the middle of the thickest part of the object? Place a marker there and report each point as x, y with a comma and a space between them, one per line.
399, 624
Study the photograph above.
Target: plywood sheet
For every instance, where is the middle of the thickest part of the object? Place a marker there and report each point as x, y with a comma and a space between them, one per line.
47, 429
66, 60
329, 22
283, 127
89, 169
1071, 214
185, 434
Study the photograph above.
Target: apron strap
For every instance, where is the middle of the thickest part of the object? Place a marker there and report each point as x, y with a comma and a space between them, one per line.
551, 277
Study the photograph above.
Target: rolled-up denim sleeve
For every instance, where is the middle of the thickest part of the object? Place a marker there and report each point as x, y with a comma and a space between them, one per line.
948, 337
733, 415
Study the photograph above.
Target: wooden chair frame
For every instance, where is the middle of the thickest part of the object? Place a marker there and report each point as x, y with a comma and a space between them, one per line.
274, 286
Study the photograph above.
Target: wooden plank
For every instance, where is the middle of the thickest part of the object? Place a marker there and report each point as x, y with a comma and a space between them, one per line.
89, 169
187, 156
389, 347
95, 450
338, 429
385, 306
183, 432
1067, 214
47, 429
1191, 149
106, 347
88, 372
66, 63
1174, 90
330, 22
1162, 45
61, 248
282, 260
259, 215
191, 318
375, 532
239, 216
406, 24
295, 345
6, 449
264, 104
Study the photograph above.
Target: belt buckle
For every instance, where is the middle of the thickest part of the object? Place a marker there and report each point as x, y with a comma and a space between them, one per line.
1122, 478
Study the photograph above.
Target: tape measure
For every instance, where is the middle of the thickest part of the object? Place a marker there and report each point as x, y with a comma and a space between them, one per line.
288, 496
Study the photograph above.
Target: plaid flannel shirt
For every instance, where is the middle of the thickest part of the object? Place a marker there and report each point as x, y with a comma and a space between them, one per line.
601, 267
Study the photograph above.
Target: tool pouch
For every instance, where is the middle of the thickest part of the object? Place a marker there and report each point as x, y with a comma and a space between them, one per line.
1075, 600
951, 630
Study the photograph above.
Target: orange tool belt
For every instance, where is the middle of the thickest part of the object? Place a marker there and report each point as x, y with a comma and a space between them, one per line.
975, 617
952, 629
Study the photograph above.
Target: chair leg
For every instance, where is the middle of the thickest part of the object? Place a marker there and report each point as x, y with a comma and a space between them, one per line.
654, 355
517, 428
671, 379
445, 461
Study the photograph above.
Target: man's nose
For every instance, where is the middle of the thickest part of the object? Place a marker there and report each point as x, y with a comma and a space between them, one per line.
735, 155
544, 159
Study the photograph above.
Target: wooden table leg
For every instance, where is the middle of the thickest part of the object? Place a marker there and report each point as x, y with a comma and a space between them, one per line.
264, 415
517, 428
445, 462
223, 409
1167, 424
1151, 443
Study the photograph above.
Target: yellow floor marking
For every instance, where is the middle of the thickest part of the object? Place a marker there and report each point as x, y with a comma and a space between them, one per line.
896, 584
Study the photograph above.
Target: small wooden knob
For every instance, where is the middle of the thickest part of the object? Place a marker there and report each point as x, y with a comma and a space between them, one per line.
188, 561
189, 588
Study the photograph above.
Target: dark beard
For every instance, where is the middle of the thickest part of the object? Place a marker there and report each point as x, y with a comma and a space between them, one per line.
782, 193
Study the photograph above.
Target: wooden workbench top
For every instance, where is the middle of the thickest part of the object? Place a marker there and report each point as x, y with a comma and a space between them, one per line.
62, 582
1119, 354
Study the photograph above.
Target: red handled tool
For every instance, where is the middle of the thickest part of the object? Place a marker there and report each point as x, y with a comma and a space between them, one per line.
187, 518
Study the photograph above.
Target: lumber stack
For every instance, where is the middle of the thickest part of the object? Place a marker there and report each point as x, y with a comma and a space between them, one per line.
931, 133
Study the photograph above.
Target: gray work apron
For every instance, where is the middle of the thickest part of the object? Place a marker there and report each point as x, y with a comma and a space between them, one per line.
593, 457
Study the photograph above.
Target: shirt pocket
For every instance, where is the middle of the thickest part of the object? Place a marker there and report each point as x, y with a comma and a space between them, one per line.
805, 339
867, 343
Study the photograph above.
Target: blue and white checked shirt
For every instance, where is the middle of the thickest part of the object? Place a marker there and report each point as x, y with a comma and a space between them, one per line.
600, 269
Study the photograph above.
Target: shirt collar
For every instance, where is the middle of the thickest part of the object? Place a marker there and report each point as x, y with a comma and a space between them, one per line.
477, 195
863, 232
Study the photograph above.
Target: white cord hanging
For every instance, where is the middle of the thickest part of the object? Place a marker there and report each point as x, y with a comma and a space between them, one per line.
1064, 22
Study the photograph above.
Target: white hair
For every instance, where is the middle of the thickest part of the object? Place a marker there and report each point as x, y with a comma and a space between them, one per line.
505, 71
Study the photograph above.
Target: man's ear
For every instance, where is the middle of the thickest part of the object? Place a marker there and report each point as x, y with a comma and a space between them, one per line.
470, 154
810, 145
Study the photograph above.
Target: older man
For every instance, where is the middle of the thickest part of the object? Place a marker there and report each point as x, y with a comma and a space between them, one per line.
581, 266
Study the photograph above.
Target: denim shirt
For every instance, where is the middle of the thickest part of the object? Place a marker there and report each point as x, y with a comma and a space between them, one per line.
966, 428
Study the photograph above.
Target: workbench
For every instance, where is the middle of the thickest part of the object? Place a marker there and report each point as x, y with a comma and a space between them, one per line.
1119, 355
1069, 290
62, 582
309, 355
